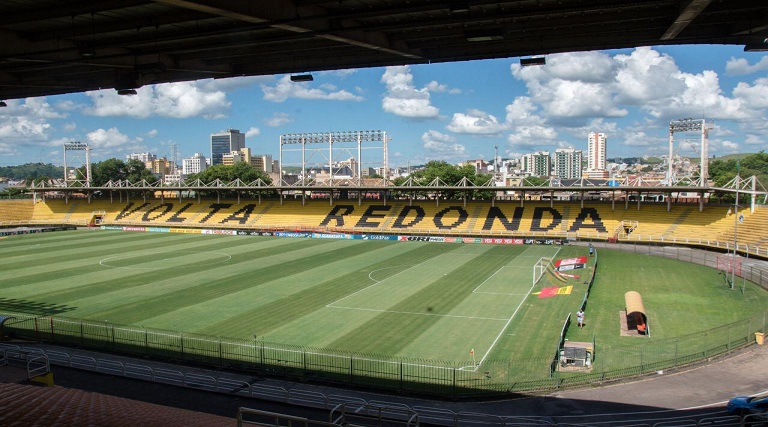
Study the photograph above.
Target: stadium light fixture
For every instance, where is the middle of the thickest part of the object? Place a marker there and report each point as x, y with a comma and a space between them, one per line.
757, 47
3, 104
302, 78
458, 7
87, 52
528, 62
484, 35
126, 92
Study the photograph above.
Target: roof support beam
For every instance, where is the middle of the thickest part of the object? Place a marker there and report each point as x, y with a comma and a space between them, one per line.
358, 39
687, 15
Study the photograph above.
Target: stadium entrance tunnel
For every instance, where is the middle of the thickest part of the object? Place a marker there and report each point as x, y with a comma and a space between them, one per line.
637, 319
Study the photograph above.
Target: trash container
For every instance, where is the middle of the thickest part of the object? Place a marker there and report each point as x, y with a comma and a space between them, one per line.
759, 338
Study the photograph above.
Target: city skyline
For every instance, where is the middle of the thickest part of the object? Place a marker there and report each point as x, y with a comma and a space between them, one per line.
453, 112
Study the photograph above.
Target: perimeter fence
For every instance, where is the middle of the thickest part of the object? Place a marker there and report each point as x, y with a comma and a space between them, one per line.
423, 377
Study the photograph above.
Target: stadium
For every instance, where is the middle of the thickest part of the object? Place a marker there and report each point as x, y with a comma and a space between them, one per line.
369, 302
443, 298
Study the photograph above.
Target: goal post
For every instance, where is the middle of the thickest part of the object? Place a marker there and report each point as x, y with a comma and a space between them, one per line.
540, 268
731, 265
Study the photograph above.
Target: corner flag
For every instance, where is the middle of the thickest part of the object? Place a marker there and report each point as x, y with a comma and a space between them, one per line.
472, 352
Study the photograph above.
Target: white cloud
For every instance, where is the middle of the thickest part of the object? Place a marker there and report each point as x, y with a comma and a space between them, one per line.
476, 122
522, 111
594, 84
436, 87
755, 95
39, 107
532, 136
338, 73
572, 85
252, 132
278, 119
153, 133
442, 146
113, 143
22, 129
174, 100
646, 75
285, 89
740, 66
233, 83
402, 98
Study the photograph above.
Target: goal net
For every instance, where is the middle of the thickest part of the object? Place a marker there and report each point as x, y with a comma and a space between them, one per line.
540, 268
729, 263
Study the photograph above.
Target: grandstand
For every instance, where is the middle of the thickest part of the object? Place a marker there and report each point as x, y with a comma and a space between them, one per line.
711, 226
15, 212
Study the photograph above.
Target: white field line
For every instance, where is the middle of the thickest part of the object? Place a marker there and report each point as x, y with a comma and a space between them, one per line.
331, 305
418, 314
498, 336
501, 332
489, 278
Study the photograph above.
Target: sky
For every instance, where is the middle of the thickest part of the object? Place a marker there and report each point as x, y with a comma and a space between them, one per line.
450, 111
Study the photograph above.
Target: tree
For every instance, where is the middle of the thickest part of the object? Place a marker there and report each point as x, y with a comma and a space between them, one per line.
31, 171
228, 173
724, 171
116, 170
449, 175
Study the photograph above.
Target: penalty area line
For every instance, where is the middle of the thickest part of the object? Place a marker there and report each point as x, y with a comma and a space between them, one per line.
416, 313
506, 325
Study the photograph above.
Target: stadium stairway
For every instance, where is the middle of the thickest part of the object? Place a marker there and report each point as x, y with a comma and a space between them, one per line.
31, 405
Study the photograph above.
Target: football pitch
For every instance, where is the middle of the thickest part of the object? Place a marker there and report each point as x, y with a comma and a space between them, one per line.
430, 301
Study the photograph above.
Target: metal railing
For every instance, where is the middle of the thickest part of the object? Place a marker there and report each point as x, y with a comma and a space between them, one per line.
371, 410
414, 376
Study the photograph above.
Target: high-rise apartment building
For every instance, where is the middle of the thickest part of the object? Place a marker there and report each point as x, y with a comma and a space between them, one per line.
538, 163
224, 143
142, 157
194, 164
596, 144
568, 163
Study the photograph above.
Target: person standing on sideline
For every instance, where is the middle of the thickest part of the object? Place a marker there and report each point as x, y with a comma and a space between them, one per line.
580, 318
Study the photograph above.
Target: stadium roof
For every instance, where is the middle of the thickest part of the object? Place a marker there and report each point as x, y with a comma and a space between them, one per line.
63, 46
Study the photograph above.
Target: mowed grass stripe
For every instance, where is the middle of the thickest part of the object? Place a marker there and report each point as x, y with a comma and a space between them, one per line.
75, 270
82, 259
280, 312
95, 282
440, 297
388, 293
227, 313
68, 240
95, 297
52, 249
237, 279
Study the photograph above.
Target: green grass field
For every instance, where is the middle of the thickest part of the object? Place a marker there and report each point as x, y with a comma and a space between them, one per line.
427, 301
404, 299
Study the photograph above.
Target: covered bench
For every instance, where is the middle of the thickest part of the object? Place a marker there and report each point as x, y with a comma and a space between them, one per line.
637, 319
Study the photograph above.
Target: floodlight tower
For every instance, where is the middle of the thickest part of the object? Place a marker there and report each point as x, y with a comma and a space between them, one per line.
684, 126
330, 147
77, 146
